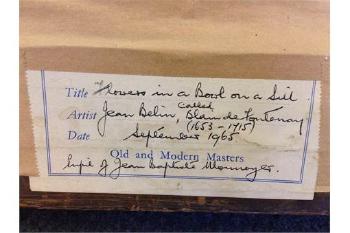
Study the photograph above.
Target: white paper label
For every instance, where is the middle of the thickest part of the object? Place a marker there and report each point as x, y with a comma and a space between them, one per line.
175, 135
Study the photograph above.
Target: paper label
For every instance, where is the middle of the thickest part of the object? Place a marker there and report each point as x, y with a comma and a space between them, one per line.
138, 134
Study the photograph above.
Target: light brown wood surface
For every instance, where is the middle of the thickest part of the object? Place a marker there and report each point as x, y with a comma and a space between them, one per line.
238, 39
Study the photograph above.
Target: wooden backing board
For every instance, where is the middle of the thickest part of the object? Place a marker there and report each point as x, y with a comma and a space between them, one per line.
244, 39
123, 202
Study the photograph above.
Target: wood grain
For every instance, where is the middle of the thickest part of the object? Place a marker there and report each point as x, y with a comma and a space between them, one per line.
130, 202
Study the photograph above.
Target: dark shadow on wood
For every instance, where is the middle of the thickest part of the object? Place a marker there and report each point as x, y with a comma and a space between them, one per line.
132, 202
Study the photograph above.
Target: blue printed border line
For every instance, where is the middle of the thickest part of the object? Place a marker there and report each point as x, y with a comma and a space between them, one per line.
300, 181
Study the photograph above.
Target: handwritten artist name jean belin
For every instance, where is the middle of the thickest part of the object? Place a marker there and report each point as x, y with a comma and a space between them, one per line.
159, 133
101, 127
